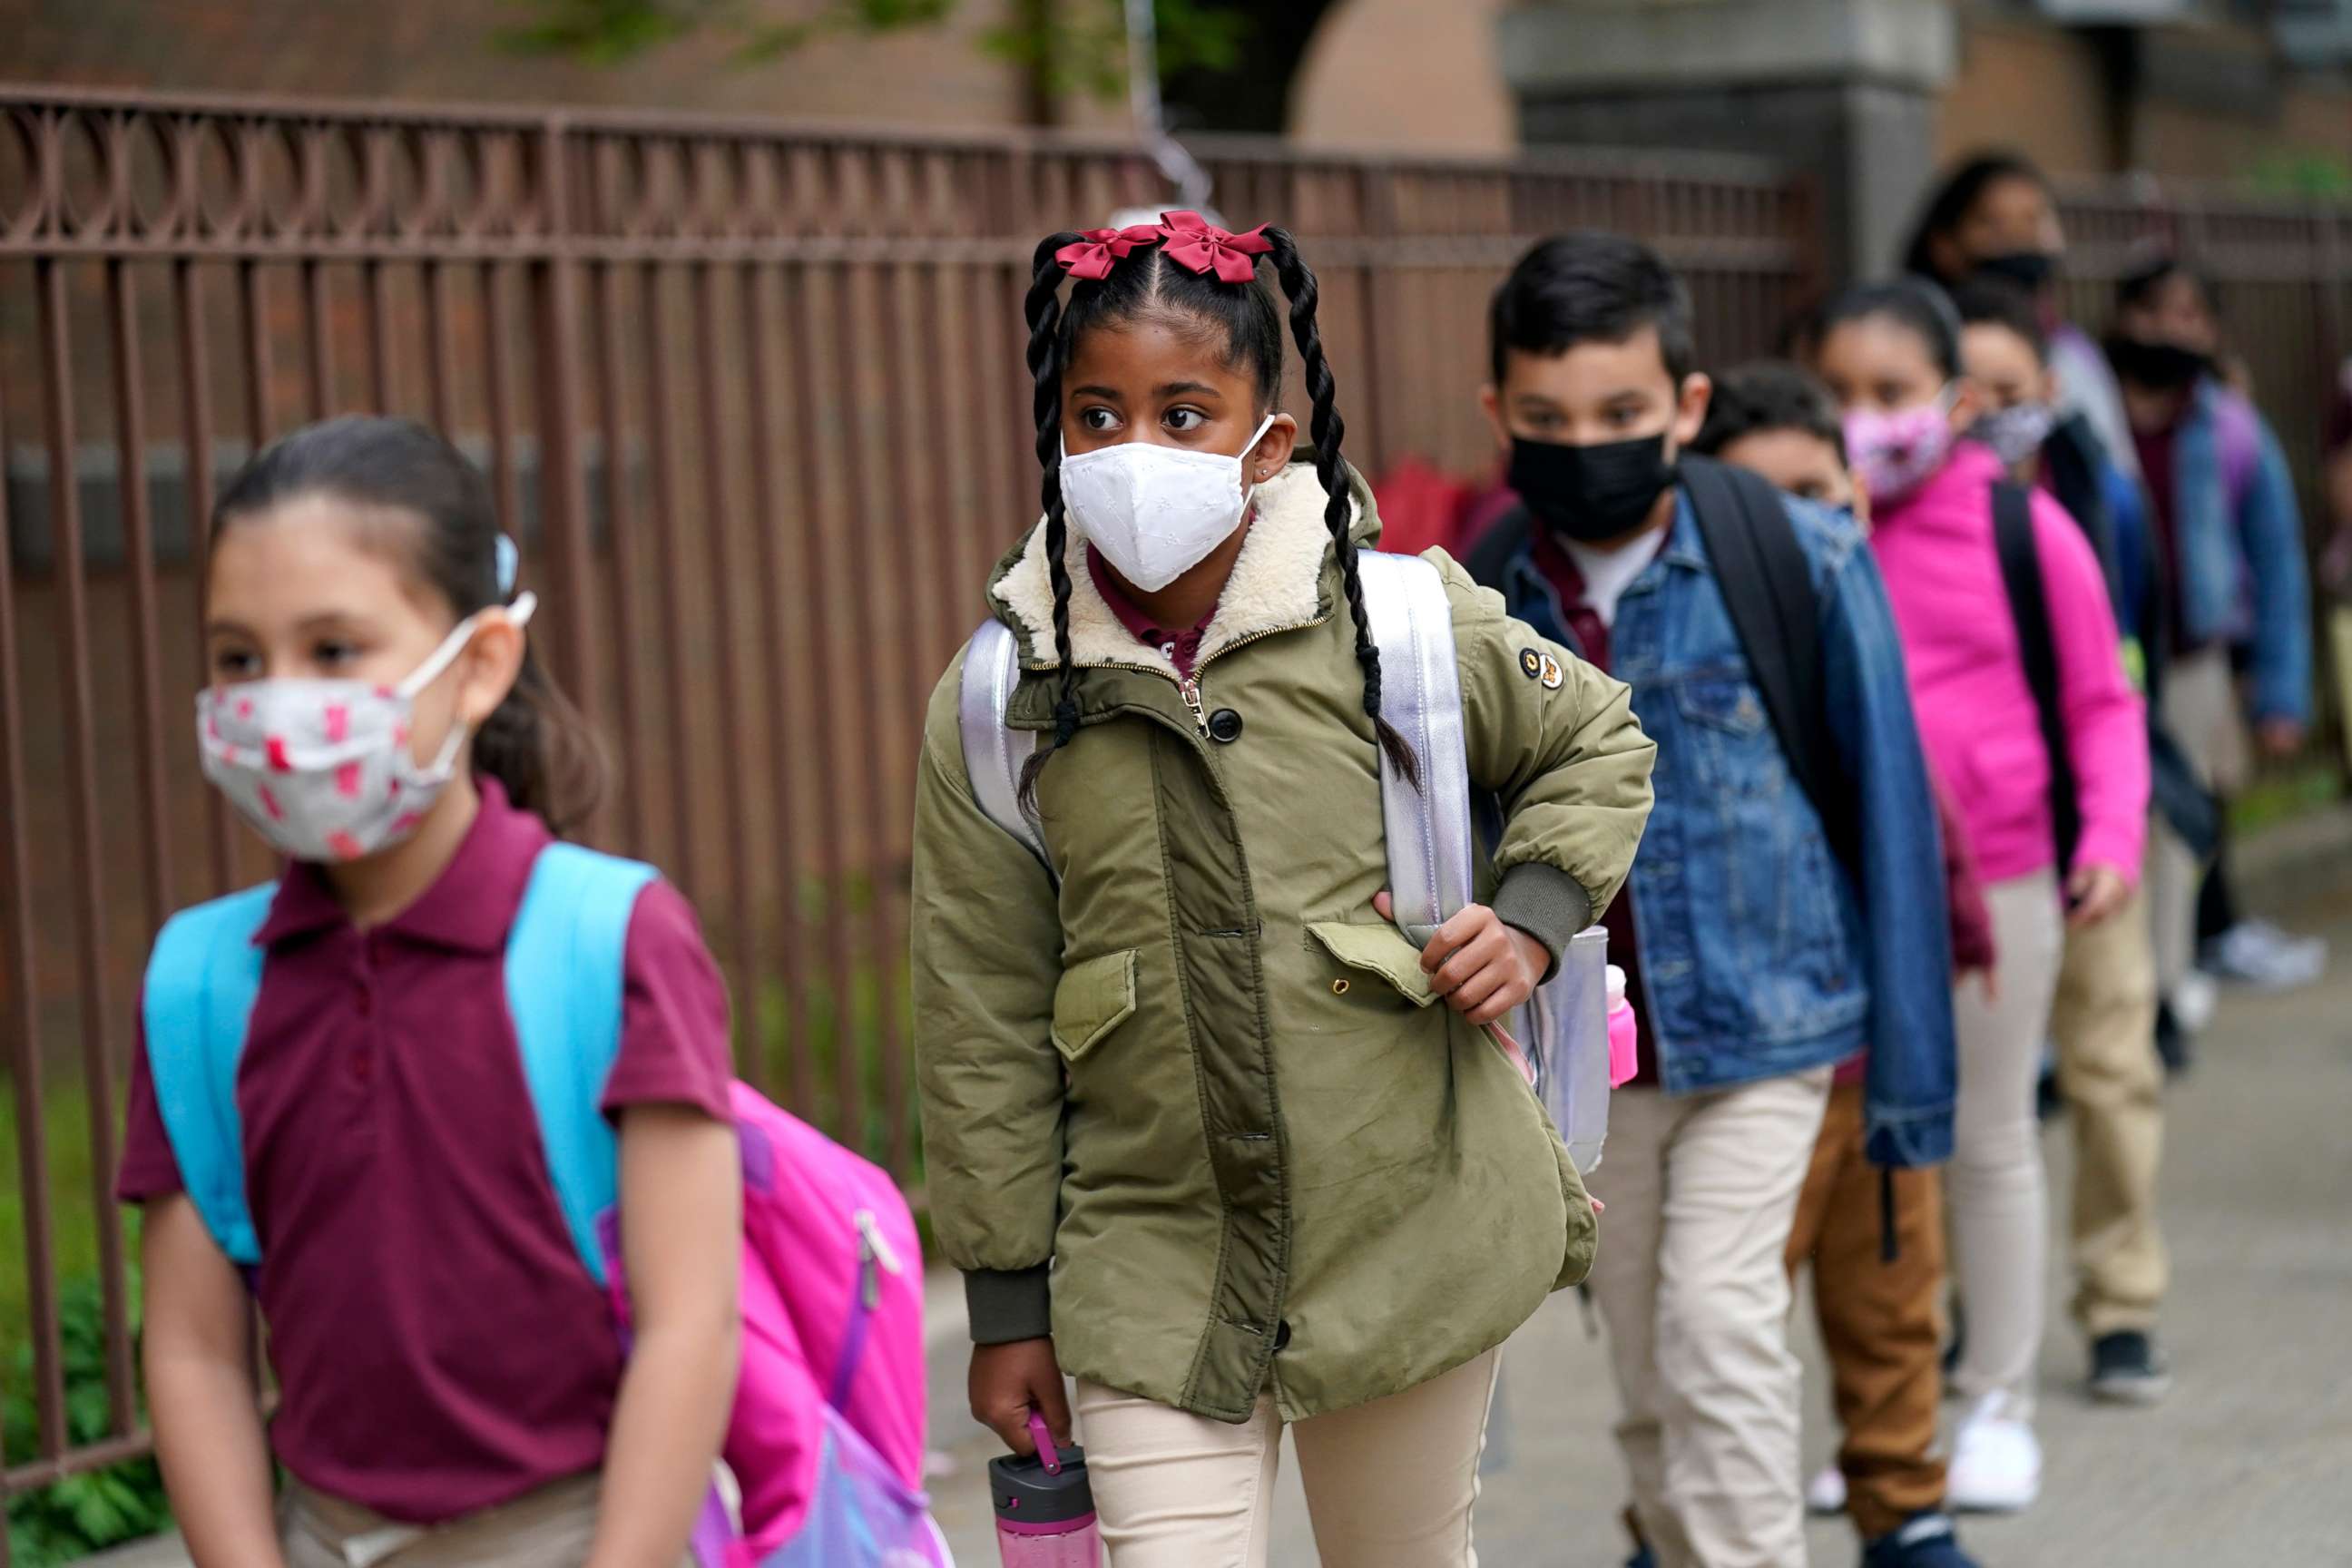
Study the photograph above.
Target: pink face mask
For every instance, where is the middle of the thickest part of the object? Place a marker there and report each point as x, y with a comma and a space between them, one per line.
1895, 452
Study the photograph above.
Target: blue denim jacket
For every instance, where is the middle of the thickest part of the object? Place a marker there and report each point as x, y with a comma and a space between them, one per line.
2239, 542
1760, 954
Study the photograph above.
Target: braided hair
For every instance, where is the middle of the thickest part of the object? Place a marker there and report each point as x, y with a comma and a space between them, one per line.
1148, 285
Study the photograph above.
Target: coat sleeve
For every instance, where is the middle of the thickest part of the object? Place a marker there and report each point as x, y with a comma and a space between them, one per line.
987, 945
1907, 944
1556, 741
2270, 524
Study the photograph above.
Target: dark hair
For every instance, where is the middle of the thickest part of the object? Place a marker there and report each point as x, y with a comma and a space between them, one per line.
536, 743
1768, 395
1951, 201
1912, 302
1997, 302
2139, 285
1588, 286
1244, 318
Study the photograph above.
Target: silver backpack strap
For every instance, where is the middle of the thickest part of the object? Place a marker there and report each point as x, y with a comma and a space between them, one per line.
1430, 845
993, 752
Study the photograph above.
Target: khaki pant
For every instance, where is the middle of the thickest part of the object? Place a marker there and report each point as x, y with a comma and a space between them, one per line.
1995, 1187
1388, 1485
2201, 709
1693, 1281
1881, 1321
550, 1528
2104, 1022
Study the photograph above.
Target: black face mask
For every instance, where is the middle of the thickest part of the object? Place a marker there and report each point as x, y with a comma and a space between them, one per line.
1591, 494
2027, 268
2156, 365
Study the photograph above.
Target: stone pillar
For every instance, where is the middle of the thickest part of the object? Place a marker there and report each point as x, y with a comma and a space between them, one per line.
1844, 92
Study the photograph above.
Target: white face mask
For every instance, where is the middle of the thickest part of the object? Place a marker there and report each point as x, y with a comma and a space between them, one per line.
1156, 511
321, 768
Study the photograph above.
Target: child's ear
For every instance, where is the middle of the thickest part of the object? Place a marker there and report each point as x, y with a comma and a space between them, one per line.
1272, 453
1968, 405
1690, 409
1490, 402
488, 668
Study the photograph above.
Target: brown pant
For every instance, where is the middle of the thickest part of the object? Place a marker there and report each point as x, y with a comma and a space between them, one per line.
2105, 1024
1879, 1319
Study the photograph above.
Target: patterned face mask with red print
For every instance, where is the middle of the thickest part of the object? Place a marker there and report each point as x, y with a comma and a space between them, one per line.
323, 768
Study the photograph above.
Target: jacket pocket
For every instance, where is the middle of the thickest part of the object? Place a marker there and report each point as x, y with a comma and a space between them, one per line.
1380, 950
1094, 997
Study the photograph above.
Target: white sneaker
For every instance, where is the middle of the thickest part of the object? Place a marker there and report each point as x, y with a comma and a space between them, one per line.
1995, 1460
1825, 1493
2259, 955
2193, 1001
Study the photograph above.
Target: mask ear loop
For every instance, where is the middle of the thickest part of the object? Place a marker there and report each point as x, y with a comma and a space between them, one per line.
1249, 491
517, 615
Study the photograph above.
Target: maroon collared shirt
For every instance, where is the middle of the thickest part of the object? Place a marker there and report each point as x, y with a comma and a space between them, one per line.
439, 1347
1183, 648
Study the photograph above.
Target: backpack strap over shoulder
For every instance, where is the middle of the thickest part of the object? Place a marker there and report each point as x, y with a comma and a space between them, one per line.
202, 981
1768, 591
566, 960
994, 751
1431, 847
2020, 574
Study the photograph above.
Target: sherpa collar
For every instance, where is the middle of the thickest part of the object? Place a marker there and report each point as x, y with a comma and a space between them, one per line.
1276, 585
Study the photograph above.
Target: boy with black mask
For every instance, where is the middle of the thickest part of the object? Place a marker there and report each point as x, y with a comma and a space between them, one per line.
1788, 906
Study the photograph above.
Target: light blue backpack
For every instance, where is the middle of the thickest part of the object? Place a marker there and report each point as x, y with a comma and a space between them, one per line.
564, 977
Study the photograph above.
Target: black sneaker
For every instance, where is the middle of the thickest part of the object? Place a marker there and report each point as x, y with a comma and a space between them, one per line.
1925, 1540
2172, 1042
2127, 1369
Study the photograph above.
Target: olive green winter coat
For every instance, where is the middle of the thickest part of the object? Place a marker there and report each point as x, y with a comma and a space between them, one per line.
1197, 1108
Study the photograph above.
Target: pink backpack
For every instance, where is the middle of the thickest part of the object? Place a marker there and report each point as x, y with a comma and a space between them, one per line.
827, 1439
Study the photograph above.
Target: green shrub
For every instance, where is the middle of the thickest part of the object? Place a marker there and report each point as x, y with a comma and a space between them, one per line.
71, 1519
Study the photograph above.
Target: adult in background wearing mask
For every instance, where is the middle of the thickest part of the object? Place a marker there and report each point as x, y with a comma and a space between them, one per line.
2228, 540
1995, 215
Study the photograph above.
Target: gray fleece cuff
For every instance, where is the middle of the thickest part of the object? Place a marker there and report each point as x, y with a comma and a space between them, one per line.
1545, 903
1009, 1305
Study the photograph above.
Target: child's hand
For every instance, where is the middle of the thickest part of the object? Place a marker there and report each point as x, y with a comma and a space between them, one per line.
1009, 1381
2095, 893
1482, 968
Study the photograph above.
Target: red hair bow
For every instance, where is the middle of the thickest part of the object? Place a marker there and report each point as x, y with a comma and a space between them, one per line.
1203, 247
1097, 248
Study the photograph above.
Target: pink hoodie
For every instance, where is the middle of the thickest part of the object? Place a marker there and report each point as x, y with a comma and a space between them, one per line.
1935, 547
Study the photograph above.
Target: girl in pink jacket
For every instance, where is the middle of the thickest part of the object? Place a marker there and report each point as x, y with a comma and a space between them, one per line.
1891, 354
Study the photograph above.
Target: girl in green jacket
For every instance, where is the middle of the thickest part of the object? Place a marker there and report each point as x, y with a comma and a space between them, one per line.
1199, 1131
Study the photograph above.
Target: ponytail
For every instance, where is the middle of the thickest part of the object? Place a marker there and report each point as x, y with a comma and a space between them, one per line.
1044, 311
542, 750
1326, 427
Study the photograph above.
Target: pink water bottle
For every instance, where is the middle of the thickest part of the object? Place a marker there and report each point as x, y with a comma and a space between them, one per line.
1623, 1032
1044, 1509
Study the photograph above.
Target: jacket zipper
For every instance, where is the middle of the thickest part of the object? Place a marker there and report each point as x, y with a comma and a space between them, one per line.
1189, 686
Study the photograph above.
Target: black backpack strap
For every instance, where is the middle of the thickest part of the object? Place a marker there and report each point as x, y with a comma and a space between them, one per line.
1491, 552
1768, 590
2020, 574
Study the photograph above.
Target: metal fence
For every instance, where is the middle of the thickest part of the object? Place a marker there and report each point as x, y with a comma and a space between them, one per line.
752, 397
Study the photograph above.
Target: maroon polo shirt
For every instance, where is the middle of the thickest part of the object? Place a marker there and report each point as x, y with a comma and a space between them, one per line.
438, 1345
1181, 648
1592, 633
